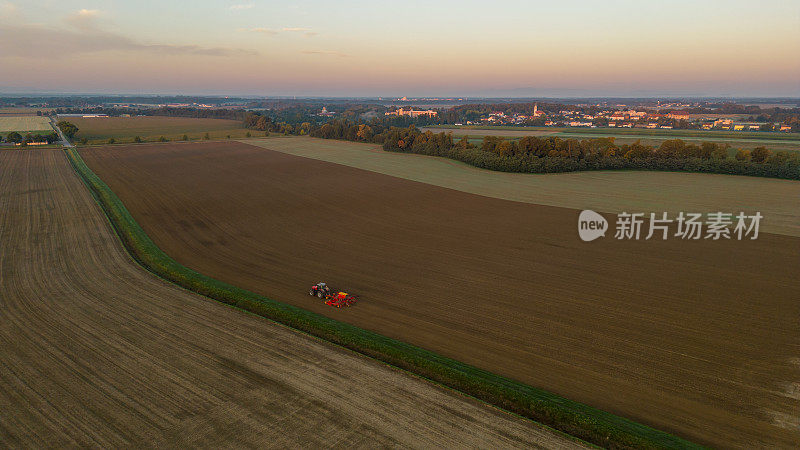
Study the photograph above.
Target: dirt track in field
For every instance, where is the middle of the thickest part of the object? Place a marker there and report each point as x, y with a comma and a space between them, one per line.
699, 338
96, 352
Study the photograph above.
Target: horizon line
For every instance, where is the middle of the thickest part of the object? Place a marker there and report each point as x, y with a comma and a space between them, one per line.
392, 97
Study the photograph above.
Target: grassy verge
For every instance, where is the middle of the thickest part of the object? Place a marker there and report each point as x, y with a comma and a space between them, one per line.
573, 418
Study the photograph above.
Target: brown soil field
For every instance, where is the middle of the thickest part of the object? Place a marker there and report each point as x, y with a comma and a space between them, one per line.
124, 129
22, 111
698, 338
97, 352
604, 191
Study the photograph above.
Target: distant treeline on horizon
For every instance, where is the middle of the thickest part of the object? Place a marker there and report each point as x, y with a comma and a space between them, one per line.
87, 100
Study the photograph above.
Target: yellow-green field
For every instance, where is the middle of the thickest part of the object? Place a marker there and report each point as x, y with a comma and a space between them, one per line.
744, 140
150, 128
606, 191
24, 124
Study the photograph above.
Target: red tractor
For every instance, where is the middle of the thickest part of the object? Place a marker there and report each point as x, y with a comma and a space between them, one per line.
320, 290
337, 299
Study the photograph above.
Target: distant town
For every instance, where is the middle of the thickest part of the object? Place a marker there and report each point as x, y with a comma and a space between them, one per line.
764, 115
667, 116
629, 119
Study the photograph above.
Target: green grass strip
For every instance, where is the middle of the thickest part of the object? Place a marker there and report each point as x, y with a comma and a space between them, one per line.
573, 418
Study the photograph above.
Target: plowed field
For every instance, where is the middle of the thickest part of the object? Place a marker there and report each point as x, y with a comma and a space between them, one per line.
97, 352
699, 338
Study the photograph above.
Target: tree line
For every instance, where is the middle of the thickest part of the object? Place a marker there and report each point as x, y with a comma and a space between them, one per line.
534, 154
165, 111
28, 138
15, 137
69, 130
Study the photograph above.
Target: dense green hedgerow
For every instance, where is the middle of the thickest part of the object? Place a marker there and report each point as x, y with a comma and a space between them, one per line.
492, 161
573, 418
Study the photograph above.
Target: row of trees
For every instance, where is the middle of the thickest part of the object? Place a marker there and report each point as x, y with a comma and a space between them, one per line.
600, 147
606, 148
166, 111
552, 154
265, 123
69, 129
17, 138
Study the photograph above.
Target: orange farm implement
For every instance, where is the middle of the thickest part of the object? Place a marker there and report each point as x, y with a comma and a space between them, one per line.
332, 298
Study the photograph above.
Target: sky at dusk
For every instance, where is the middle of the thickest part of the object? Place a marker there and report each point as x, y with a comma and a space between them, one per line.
413, 48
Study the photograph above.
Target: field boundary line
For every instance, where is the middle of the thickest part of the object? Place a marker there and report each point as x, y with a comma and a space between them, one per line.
567, 416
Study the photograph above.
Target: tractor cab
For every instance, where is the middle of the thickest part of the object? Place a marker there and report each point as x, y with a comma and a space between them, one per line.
320, 290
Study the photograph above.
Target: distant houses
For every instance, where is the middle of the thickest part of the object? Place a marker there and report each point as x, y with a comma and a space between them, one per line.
677, 115
412, 112
723, 122
326, 113
83, 115
630, 118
